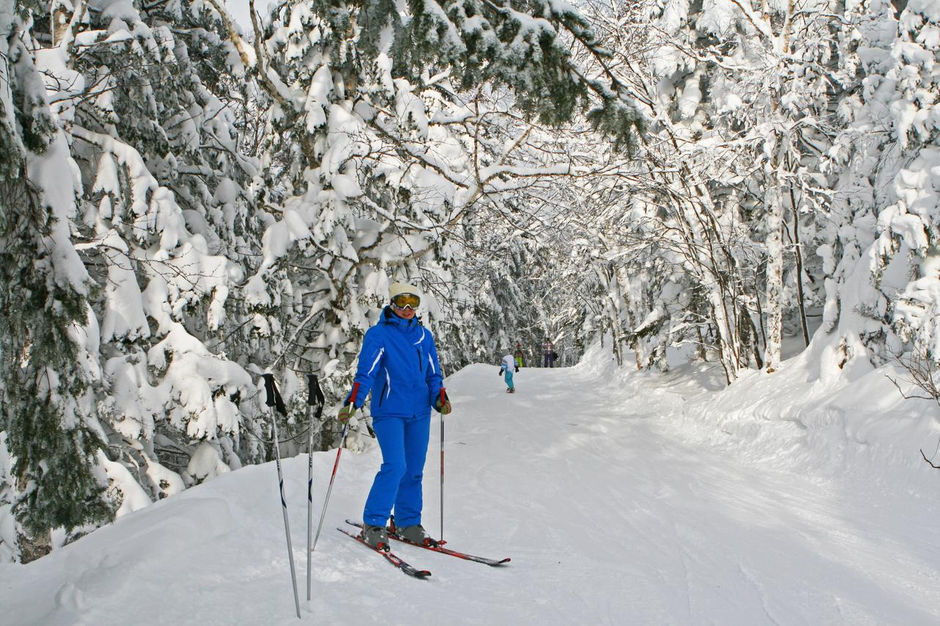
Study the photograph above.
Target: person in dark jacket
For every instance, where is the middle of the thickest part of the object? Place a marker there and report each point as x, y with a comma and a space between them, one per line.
548, 353
398, 363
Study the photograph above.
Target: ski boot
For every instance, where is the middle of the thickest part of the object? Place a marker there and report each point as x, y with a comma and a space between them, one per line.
415, 534
375, 536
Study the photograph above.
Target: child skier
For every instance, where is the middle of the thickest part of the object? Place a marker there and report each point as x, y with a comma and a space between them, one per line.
506, 368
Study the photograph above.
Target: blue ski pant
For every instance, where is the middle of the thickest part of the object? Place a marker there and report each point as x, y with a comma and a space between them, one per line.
508, 378
404, 445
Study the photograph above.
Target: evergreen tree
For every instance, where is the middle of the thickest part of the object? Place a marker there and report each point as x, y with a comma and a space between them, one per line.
880, 257
168, 234
131, 204
48, 371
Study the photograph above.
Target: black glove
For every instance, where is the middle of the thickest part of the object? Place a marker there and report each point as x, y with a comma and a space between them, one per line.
442, 403
517, 369
500, 372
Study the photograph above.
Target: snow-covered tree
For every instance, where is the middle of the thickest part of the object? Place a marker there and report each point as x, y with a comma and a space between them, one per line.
393, 129
881, 256
48, 341
131, 203
722, 199
785, 167
168, 230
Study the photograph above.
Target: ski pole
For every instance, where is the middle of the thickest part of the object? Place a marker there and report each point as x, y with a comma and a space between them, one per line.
329, 489
443, 398
314, 396
274, 400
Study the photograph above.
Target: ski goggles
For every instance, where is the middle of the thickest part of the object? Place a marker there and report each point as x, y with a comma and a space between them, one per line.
406, 301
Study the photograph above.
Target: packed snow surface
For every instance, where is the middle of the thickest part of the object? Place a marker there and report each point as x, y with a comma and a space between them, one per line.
621, 497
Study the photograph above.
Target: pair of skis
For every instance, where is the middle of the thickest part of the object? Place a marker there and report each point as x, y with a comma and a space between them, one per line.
408, 569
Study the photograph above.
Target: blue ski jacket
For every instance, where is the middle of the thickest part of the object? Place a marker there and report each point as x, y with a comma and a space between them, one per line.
398, 363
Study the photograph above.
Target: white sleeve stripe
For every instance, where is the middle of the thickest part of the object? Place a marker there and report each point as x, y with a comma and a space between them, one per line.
431, 361
376, 361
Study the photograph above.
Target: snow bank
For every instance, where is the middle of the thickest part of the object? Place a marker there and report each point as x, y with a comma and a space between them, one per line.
801, 416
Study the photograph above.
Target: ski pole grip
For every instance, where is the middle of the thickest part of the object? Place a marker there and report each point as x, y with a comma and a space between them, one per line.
269, 390
314, 394
272, 395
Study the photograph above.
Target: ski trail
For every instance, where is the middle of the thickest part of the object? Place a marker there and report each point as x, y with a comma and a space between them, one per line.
613, 493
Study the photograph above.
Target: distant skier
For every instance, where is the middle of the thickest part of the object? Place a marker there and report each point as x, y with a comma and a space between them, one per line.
520, 356
548, 353
506, 368
398, 363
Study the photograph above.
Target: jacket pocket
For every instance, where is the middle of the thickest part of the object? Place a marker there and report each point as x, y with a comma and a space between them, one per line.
383, 391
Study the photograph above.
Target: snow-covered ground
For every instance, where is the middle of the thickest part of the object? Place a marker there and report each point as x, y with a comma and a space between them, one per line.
622, 498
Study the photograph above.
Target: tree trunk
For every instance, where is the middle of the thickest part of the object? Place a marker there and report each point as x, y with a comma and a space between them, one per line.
774, 275
798, 252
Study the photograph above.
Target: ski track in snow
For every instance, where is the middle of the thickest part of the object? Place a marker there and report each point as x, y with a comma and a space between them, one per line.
610, 512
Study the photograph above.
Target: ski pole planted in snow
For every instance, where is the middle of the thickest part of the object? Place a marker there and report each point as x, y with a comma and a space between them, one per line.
273, 400
314, 396
329, 489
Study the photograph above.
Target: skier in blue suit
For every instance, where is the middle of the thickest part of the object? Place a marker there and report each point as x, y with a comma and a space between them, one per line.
398, 363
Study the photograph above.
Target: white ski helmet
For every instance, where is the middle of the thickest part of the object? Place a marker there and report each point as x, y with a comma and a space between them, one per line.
396, 289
